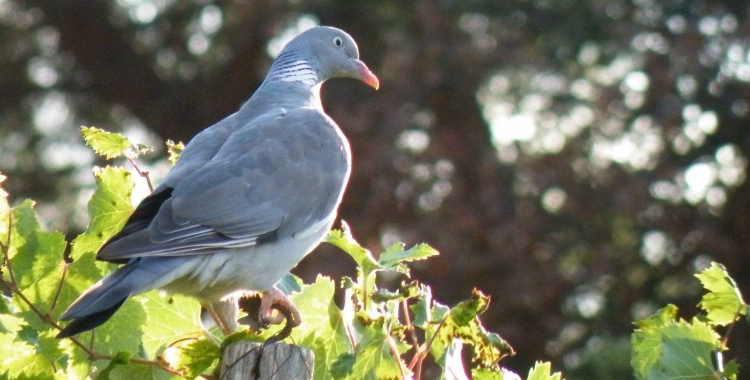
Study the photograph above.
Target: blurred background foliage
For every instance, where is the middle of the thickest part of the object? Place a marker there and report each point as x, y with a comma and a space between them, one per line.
577, 160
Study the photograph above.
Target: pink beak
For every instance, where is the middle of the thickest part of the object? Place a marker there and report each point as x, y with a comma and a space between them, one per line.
367, 75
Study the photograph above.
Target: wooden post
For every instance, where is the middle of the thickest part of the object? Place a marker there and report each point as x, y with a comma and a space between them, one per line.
275, 361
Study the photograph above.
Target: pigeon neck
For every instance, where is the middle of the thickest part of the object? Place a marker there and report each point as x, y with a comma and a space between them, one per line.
291, 66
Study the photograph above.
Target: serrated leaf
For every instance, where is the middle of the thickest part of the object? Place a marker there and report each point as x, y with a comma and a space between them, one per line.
322, 327
109, 209
17, 357
107, 144
669, 349
344, 240
169, 318
37, 264
396, 255
723, 303
463, 322
174, 150
196, 357
543, 371
373, 357
731, 370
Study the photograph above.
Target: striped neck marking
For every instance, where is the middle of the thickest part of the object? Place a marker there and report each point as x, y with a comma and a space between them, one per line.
293, 68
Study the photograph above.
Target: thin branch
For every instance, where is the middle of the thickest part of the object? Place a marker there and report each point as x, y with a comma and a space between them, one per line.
426, 347
415, 342
409, 326
59, 287
142, 173
394, 352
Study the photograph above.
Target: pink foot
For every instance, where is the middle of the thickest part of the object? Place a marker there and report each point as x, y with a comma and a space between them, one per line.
275, 299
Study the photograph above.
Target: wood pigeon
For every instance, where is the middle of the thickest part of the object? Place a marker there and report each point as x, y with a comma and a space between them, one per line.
248, 198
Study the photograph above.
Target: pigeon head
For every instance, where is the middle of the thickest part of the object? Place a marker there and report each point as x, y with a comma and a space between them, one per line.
319, 54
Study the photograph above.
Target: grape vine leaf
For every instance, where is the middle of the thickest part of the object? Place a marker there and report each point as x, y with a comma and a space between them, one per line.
109, 209
344, 240
395, 255
543, 371
196, 357
174, 150
668, 348
107, 144
723, 303
169, 318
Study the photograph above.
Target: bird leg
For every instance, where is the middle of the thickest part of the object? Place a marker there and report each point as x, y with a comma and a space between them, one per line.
225, 314
272, 298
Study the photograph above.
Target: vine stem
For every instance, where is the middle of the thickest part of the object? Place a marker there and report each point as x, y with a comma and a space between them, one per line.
46, 318
422, 352
142, 173
417, 369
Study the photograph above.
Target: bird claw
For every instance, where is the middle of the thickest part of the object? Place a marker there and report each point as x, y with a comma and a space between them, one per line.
275, 299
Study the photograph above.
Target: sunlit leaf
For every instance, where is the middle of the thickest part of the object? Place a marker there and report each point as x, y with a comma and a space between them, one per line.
196, 357
395, 256
174, 150
373, 357
107, 144
543, 371
109, 209
723, 303
344, 240
322, 326
670, 349
169, 318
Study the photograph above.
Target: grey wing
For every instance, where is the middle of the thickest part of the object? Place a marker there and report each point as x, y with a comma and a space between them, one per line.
269, 181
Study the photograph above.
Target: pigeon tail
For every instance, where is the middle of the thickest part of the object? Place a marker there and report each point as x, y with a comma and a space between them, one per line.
101, 301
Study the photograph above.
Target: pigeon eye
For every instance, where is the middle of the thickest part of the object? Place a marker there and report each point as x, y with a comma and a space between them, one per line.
337, 41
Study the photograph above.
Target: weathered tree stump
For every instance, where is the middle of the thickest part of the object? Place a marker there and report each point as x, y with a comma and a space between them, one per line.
275, 361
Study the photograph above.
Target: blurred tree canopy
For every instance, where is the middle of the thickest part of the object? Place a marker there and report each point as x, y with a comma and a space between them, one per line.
577, 160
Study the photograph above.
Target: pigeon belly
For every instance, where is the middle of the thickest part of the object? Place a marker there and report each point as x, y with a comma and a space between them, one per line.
215, 276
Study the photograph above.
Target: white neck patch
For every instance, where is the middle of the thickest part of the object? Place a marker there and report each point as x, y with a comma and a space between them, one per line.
295, 71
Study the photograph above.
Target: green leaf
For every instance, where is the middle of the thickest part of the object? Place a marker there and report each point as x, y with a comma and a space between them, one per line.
463, 323
664, 348
107, 144
37, 264
646, 340
723, 303
373, 357
543, 371
344, 240
343, 366
322, 326
169, 318
109, 209
395, 255
196, 357
120, 358
174, 151
18, 357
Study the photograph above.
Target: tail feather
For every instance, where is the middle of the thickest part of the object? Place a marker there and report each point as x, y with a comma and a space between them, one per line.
90, 321
97, 304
